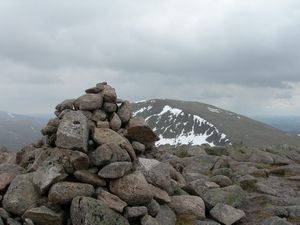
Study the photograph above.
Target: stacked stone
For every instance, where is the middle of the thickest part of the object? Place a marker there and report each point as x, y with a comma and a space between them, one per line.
91, 169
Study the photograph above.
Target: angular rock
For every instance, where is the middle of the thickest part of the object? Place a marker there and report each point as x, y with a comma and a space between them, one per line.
166, 216
47, 175
115, 170
44, 216
132, 213
188, 204
109, 94
132, 188
125, 111
73, 132
21, 194
64, 192
221, 180
98, 115
226, 214
108, 153
110, 107
7, 173
87, 177
149, 220
66, 104
115, 122
139, 131
90, 102
160, 195
89, 211
113, 201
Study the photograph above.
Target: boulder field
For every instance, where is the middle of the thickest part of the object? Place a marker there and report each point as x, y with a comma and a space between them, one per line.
98, 165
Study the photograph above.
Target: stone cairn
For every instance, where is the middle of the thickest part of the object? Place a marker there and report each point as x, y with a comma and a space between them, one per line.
93, 166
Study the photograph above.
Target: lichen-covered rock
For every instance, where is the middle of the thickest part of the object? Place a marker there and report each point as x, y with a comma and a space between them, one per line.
115, 122
115, 170
21, 194
149, 220
125, 112
166, 216
73, 132
135, 212
90, 102
113, 201
89, 211
87, 177
109, 94
64, 192
107, 136
7, 173
132, 188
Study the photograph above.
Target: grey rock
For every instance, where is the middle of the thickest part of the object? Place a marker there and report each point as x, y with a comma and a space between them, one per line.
73, 132
47, 175
160, 195
44, 216
11, 221
1, 221
166, 216
264, 189
110, 107
112, 201
188, 204
221, 180
66, 104
21, 195
200, 164
153, 208
49, 130
109, 94
106, 136
115, 122
108, 153
226, 214
132, 188
132, 213
90, 178
98, 115
64, 192
4, 214
94, 90
7, 173
247, 181
103, 124
275, 221
139, 131
138, 147
28, 221
125, 111
89, 211
149, 220
90, 102
206, 222
115, 170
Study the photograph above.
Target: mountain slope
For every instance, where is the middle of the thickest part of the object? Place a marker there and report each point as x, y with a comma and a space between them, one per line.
183, 122
18, 130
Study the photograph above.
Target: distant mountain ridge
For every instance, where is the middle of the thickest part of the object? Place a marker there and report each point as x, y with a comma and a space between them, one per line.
183, 122
18, 130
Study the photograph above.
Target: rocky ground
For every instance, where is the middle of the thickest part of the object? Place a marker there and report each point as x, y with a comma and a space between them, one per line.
97, 165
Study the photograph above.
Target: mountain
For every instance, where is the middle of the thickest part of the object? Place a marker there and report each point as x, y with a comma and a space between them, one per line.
184, 122
18, 130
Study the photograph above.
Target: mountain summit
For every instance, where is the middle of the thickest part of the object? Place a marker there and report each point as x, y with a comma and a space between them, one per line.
184, 122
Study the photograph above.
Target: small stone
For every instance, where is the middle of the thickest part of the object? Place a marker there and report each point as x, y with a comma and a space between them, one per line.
11, 221
87, 177
153, 208
108, 153
221, 180
94, 90
125, 111
110, 107
98, 115
115, 122
109, 94
66, 104
113, 201
103, 124
166, 216
115, 170
28, 221
44, 216
90, 102
89, 211
226, 214
73, 132
188, 204
49, 130
132, 188
160, 195
138, 147
132, 213
64, 192
149, 220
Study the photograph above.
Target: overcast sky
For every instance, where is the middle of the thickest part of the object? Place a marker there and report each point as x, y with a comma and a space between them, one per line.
240, 55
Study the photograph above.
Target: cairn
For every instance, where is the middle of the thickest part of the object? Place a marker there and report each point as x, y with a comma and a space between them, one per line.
92, 167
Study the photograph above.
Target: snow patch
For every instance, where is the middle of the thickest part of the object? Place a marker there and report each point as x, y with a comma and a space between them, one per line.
213, 110
11, 115
298, 135
238, 117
